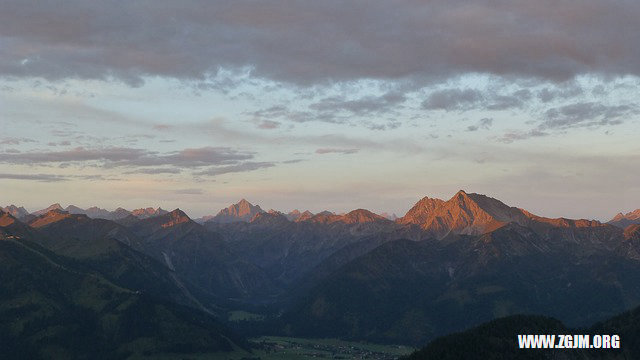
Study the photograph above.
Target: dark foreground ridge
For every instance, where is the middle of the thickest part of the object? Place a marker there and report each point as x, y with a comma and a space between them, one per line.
497, 339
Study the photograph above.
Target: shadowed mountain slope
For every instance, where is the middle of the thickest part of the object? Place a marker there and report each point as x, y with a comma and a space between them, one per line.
201, 257
418, 290
106, 247
50, 308
289, 250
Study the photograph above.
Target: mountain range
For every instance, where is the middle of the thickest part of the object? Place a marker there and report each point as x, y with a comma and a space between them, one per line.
93, 212
445, 266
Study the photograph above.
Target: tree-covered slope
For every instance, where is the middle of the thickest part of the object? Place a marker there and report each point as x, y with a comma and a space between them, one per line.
49, 308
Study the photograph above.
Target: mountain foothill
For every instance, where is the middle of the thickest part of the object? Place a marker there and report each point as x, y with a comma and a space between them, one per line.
95, 283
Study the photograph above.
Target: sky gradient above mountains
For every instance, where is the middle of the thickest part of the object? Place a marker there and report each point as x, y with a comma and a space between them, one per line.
321, 105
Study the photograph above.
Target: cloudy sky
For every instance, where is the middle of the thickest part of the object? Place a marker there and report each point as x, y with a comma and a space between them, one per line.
320, 104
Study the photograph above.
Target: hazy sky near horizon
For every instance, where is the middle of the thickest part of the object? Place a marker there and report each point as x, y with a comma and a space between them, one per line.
320, 104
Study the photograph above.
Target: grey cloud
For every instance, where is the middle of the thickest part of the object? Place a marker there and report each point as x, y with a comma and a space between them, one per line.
466, 99
147, 161
587, 114
242, 167
485, 123
53, 178
315, 42
78, 154
271, 112
153, 171
283, 112
188, 158
337, 109
15, 141
336, 151
512, 136
453, 99
268, 124
34, 177
503, 102
93, 177
60, 143
362, 106
578, 115
548, 94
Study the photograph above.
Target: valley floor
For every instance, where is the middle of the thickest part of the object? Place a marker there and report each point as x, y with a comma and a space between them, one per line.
275, 347
272, 347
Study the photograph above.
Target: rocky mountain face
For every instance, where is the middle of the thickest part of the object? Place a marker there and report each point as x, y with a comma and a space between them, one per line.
46, 210
421, 211
242, 211
623, 220
19, 213
11, 227
149, 212
306, 215
470, 214
293, 215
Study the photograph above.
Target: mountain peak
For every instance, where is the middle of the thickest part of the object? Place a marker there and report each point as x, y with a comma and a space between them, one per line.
293, 215
632, 215
55, 206
623, 220
271, 217
15, 211
174, 218
618, 216
419, 213
143, 213
361, 216
241, 211
306, 215
177, 212
464, 213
